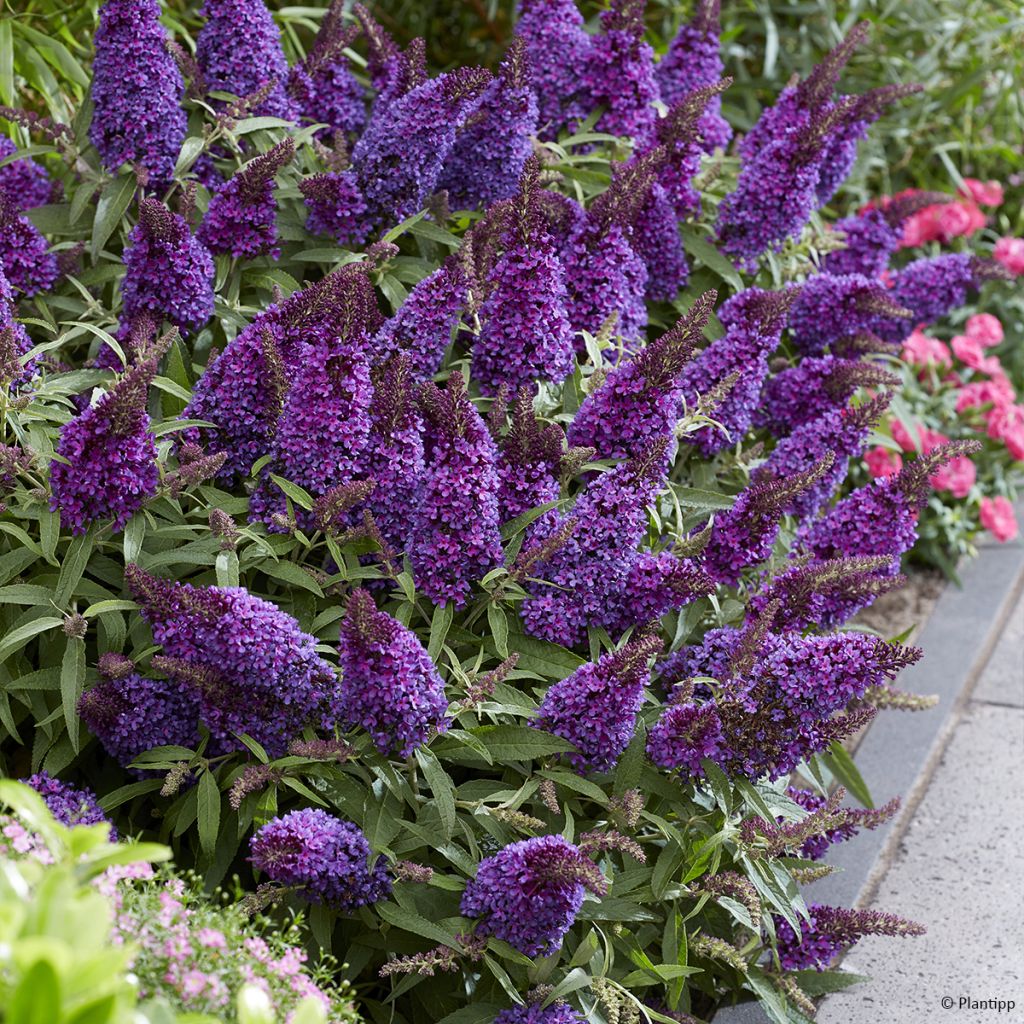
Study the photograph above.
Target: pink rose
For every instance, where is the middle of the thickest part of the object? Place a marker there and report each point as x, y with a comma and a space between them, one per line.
986, 328
1006, 424
902, 437
998, 517
924, 351
922, 227
968, 350
997, 391
928, 439
956, 219
988, 193
883, 462
1010, 252
957, 477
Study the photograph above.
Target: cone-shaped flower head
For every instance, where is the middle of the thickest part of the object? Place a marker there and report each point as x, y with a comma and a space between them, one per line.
525, 334
242, 391
558, 49
336, 206
657, 242
239, 51
831, 931
833, 308
595, 708
130, 714
323, 431
14, 340
69, 804
486, 162
530, 463
242, 217
619, 72
840, 433
111, 467
398, 159
389, 685
168, 272
422, 326
813, 387
657, 584
585, 575
684, 735
326, 858
455, 539
694, 60
529, 893
136, 91
776, 191
24, 257
323, 85
753, 320
252, 668
25, 183
640, 398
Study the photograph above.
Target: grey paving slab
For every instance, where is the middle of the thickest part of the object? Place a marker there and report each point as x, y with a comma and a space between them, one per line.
1002, 682
959, 870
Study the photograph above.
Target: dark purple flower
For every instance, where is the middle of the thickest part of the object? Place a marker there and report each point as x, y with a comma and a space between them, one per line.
322, 432
70, 805
684, 735
326, 858
422, 326
657, 242
168, 271
595, 708
242, 216
454, 538
694, 60
389, 687
24, 253
530, 462
399, 158
111, 467
657, 584
525, 335
239, 52
25, 183
252, 668
529, 893
487, 160
136, 91
556, 1013
336, 206
14, 340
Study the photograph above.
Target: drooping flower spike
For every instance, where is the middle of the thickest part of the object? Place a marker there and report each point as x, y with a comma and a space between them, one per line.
242, 217
336, 206
25, 183
24, 257
15, 342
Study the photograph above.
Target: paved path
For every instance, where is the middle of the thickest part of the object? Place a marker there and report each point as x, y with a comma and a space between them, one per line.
958, 869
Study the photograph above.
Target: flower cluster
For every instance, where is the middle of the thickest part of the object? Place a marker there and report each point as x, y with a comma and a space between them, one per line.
25, 259
327, 858
24, 183
70, 805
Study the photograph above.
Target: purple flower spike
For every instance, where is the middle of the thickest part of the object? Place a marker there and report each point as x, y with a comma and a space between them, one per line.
685, 735
455, 539
322, 433
251, 667
168, 271
529, 893
487, 160
326, 858
14, 340
390, 686
111, 467
558, 47
239, 51
557, 1013
640, 398
525, 334
336, 207
595, 708
27, 264
68, 804
657, 242
531, 457
399, 158
24, 182
693, 61
137, 91
242, 217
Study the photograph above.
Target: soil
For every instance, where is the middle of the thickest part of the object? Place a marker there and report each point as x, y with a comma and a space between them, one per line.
908, 608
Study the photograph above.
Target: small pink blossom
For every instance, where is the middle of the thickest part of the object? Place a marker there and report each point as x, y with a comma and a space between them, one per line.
1010, 253
987, 193
957, 477
883, 462
211, 938
998, 517
986, 328
922, 350
968, 350
192, 984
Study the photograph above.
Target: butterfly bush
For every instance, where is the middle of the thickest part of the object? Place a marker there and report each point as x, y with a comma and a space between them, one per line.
465, 519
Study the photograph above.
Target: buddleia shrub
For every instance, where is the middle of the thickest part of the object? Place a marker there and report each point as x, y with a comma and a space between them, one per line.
469, 576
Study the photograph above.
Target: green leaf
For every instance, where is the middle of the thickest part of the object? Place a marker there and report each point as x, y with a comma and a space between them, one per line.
299, 495
704, 251
498, 621
441, 787
25, 593
519, 742
545, 659
208, 812
17, 638
37, 998
73, 568
410, 921
72, 681
134, 534
114, 200
289, 572
818, 983
841, 765
49, 534
226, 568
440, 623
